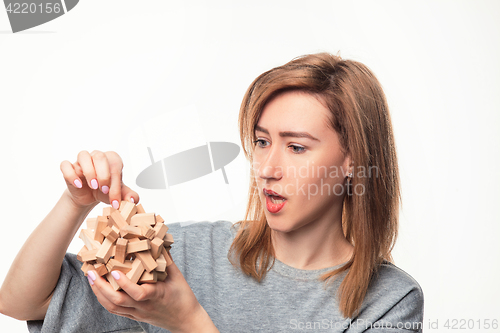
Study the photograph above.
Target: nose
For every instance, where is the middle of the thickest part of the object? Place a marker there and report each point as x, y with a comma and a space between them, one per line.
269, 166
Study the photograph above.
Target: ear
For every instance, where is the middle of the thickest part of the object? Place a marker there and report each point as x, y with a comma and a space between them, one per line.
348, 165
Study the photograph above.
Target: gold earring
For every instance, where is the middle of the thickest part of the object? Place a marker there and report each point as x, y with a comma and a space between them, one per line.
349, 185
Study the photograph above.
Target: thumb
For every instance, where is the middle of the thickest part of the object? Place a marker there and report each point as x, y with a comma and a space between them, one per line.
173, 271
129, 195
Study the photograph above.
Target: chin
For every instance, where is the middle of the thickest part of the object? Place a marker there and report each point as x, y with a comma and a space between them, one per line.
279, 224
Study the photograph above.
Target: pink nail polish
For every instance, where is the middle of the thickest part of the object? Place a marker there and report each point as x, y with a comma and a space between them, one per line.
91, 275
90, 280
105, 189
132, 200
116, 275
94, 184
115, 204
78, 183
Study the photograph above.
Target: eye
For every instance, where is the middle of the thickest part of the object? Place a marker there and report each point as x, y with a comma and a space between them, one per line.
296, 149
261, 143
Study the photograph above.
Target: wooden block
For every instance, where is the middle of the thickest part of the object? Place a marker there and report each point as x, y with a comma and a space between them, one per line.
88, 239
162, 263
167, 257
140, 209
111, 234
104, 252
168, 240
156, 247
115, 265
85, 268
147, 219
113, 282
107, 211
147, 260
149, 234
134, 246
159, 219
117, 219
131, 232
89, 255
102, 223
127, 210
100, 269
169, 260
121, 249
161, 276
149, 277
160, 230
91, 223
79, 254
136, 271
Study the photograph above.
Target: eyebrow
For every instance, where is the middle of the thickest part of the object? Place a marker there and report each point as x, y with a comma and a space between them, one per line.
288, 133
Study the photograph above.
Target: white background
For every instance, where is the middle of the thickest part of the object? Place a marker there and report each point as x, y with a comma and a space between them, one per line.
123, 75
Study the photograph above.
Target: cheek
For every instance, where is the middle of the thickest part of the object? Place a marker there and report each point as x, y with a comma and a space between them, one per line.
319, 181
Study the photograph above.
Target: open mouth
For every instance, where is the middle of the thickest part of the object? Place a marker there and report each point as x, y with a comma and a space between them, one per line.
274, 201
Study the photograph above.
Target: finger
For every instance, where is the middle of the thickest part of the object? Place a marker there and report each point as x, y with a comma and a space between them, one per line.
173, 271
108, 305
115, 169
119, 301
137, 292
85, 161
101, 167
70, 175
129, 194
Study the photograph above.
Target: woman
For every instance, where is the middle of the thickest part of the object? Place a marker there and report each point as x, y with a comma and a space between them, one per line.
313, 252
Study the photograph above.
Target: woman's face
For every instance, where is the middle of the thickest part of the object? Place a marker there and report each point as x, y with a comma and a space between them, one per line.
299, 166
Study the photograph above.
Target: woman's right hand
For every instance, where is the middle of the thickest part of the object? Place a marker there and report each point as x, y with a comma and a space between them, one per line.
97, 177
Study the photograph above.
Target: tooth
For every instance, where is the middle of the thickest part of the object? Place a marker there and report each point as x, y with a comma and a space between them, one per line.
275, 200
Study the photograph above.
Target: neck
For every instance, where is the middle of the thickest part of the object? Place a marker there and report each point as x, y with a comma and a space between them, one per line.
314, 246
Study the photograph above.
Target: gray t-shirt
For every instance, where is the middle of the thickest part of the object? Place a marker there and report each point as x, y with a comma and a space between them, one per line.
287, 300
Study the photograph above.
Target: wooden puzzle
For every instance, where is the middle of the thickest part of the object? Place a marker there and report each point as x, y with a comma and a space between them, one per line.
129, 240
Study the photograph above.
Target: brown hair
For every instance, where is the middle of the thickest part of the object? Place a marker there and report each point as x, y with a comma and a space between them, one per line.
361, 118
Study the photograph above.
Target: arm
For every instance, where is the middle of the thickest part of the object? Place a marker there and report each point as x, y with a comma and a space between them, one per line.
32, 278
27, 289
170, 304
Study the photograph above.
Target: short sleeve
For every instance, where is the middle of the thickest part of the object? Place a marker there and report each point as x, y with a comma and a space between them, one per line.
405, 316
74, 307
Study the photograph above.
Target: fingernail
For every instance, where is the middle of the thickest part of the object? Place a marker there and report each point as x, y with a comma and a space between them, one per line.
90, 280
116, 275
91, 275
78, 183
132, 199
105, 189
115, 204
94, 184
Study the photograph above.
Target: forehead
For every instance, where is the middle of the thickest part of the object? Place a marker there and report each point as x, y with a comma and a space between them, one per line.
296, 111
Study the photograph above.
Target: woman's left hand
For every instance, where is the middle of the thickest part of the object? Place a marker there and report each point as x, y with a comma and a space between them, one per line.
170, 304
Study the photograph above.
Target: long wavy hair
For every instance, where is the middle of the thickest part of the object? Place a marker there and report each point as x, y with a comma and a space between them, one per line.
360, 116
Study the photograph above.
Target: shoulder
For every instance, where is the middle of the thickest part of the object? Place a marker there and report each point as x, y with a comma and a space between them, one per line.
201, 231
389, 275
201, 244
396, 285
394, 300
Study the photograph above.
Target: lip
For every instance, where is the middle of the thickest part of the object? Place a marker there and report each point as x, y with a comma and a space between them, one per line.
269, 193
271, 206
